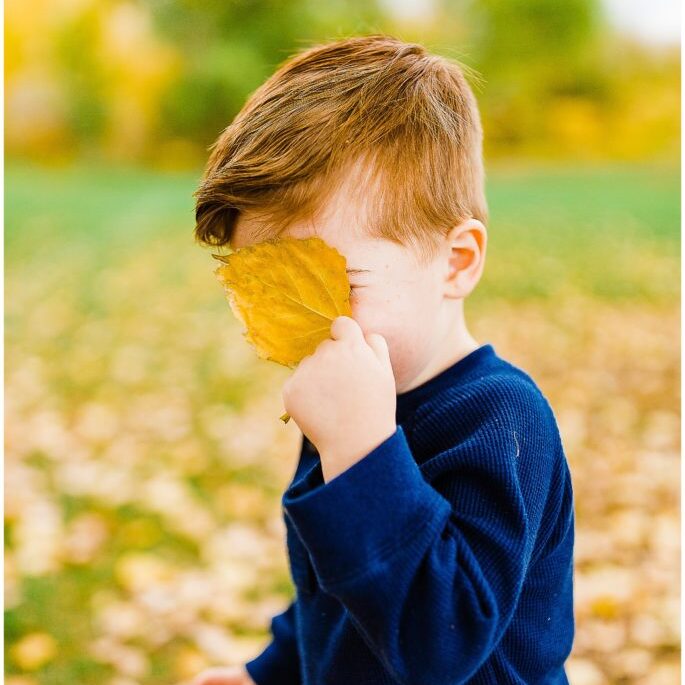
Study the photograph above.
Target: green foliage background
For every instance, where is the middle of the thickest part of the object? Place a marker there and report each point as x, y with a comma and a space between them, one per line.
155, 81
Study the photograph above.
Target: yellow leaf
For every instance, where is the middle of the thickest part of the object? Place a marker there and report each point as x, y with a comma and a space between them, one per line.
286, 292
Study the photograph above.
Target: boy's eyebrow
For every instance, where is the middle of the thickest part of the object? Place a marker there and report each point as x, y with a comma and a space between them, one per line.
357, 271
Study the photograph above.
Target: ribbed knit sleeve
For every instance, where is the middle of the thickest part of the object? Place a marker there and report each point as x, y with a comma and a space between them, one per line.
279, 663
431, 573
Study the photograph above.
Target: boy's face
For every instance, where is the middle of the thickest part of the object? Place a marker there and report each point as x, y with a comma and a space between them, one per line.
391, 292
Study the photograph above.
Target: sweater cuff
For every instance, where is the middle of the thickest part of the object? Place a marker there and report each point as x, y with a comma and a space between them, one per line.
363, 515
279, 662
276, 665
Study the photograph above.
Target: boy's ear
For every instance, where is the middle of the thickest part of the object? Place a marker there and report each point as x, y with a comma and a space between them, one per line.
465, 247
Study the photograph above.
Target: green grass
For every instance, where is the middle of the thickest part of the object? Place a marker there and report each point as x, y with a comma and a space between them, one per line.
612, 230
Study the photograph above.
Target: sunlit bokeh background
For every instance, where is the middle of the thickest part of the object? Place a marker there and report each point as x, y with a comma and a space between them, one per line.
144, 456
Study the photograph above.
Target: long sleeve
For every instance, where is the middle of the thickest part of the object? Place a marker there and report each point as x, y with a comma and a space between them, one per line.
279, 663
430, 578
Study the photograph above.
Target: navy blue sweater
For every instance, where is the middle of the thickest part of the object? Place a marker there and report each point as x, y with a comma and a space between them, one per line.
445, 555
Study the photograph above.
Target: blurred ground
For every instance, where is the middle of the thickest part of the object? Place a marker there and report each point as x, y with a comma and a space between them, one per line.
145, 459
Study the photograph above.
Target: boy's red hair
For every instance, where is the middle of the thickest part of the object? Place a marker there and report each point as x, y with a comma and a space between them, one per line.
410, 115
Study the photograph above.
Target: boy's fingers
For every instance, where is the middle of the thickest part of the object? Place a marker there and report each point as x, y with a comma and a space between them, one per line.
220, 675
346, 327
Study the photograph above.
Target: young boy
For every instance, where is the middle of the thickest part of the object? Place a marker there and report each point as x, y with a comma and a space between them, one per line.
430, 521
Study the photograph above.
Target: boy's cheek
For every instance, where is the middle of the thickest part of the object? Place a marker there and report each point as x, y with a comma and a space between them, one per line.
405, 355
406, 363
410, 350
404, 343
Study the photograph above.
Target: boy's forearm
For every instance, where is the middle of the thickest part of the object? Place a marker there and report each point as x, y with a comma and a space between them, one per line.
359, 445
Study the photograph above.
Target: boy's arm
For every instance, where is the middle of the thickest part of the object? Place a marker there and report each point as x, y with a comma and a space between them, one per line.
279, 663
431, 580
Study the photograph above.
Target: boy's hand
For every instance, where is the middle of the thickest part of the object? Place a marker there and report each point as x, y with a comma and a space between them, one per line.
343, 396
223, 675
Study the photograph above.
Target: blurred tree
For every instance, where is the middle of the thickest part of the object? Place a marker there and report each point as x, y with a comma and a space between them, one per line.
156, 81
84, 84
233, 47
534, 51
539, 35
